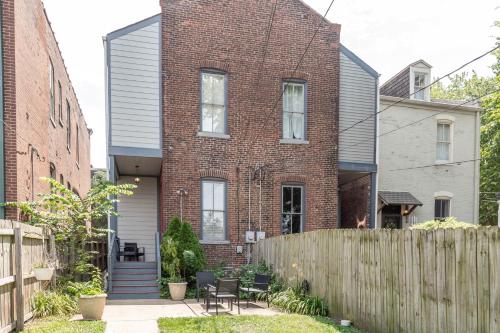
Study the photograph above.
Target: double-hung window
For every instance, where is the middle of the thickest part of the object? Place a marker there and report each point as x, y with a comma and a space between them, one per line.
443, 143
441, 208
52, 92
292, 209
213, 210
294, 110
213, 102
420, 80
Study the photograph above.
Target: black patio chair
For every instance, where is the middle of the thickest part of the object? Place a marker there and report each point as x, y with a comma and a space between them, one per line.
203, 279
260, 285
225, 289
131, 250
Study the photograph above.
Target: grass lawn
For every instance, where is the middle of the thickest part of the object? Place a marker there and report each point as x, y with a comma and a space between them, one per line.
253, 324
63, 325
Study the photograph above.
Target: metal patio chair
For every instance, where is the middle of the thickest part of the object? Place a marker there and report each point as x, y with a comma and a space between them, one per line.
225, 289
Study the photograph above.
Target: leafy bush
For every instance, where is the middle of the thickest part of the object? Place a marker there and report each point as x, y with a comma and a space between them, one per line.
448, 223
171, 263
89, 288
292, 300
247, 273
53, 303
186, 240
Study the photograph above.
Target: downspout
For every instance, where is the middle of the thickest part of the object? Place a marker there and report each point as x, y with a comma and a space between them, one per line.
477, 164
2, 159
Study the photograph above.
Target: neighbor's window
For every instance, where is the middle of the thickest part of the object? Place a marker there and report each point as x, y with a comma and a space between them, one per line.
441, 208
443, 142
61, 179
419, 84
59, 101
213, 102
292, 209
294, 110
68, 125
78, 144
213, 210
52, 92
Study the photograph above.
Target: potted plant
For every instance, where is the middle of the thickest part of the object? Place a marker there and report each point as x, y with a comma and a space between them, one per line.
92, 298
43, 272
172, 267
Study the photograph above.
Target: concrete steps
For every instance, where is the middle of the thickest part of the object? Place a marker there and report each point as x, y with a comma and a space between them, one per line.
135, 280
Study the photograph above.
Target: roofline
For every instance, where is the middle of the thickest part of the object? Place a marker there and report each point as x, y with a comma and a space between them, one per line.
349, 54
438, 105
133, 27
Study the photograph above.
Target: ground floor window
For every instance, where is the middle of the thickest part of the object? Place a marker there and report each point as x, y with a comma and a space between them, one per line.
441, 208
213, 210
292, 209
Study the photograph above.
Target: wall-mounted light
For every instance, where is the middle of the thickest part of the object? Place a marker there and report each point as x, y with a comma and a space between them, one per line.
137, 179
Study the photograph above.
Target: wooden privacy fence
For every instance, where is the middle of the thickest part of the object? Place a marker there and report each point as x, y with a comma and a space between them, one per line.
396, 280
21, 248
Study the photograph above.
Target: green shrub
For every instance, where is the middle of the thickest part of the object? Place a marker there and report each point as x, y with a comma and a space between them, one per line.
292, 300
53, 303
90, 288
448, 223
247, 273
186, 240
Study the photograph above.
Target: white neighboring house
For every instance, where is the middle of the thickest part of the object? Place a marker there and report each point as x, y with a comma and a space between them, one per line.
420, 177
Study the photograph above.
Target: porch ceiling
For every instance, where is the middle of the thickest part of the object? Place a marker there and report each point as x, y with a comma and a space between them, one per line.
346, 177
147, 166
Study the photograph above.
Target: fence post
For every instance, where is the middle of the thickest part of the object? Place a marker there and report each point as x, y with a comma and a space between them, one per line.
18, 239
52, 241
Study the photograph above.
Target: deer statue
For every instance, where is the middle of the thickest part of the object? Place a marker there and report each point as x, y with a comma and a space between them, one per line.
361, 224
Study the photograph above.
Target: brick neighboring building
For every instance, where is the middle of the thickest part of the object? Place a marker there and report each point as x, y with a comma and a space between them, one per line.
227, 144
44, 134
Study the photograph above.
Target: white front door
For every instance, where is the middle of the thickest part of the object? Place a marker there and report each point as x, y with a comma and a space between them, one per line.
138, 215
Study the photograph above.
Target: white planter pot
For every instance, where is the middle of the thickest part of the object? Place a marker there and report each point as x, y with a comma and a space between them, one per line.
177, 290
92, 307
43, 274
345, 323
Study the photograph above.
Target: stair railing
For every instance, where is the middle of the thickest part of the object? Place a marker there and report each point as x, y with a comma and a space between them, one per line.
112, 252
158, 255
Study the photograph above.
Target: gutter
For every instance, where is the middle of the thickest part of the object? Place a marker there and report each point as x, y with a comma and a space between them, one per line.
2, 150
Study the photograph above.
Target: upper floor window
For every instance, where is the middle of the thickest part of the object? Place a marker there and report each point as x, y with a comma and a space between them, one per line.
419, 85
59, 103
68, 125
292, 201
213, 210
443, 148
213, 102
77, 144
294, 110
52, 92
441, 208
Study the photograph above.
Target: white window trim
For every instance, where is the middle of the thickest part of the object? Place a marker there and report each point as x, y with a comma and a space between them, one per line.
427, 91
204, 240
285, 140
449, 120
214, 72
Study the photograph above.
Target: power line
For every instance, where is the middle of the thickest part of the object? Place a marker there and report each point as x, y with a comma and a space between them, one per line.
422, 119
425, 87
433, 165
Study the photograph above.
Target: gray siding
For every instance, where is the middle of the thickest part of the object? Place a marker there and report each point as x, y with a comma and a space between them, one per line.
134, 88
358, 89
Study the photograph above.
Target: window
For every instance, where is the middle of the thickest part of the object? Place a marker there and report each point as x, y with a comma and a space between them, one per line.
61, 179
213, 210
68, 125
419, 84
292, 209
293, 111
441, 208
77, 144
52, 169
59, 105
68, 186
443, 142
213, 103
52, 92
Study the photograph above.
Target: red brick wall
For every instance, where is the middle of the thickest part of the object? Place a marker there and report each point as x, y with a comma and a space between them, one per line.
229, 36
35, 44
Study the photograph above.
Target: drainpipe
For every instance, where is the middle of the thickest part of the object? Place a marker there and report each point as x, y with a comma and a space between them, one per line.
2, 159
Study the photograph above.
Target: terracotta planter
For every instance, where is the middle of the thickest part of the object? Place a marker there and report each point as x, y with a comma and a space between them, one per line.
43, 274
177, 290
92, 307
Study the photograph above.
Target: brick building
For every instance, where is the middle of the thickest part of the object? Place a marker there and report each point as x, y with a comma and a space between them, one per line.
44, 133
229, 140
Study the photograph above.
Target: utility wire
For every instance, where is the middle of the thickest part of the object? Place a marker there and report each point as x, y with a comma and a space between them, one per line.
425, 87
434, 164
422, 119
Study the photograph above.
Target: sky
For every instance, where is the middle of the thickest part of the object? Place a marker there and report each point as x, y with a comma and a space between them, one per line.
386, 34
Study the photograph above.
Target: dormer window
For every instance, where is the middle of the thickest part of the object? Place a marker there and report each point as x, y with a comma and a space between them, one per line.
419, 85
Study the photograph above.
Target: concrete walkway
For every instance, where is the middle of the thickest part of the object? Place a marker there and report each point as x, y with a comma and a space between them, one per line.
124, 316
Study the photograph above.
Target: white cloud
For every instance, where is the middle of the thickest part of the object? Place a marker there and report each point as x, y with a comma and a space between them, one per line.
387, 34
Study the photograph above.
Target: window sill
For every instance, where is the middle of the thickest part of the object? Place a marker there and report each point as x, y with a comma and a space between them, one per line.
214, 242
214, 135
293, 142
441, 162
